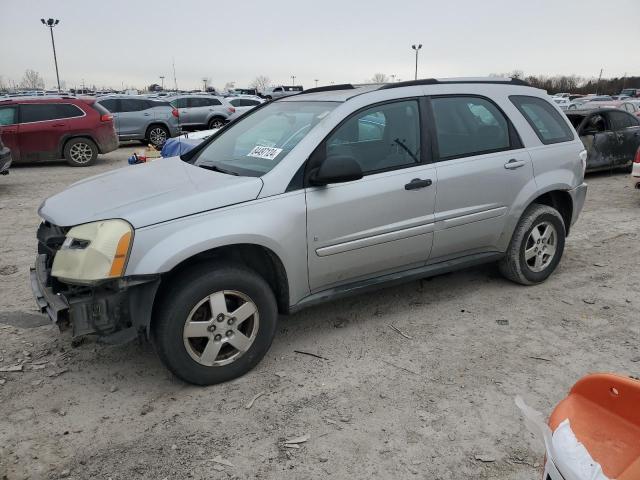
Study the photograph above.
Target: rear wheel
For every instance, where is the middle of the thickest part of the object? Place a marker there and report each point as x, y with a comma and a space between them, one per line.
215, 324
216, 122
157, 135
80, 152
536, 246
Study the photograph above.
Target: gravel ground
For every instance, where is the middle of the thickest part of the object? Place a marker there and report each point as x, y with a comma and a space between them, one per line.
378, 406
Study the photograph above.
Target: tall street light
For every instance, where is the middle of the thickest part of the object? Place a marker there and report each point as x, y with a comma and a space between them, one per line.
50, 24
293, 79
161, 77
316, 80
417, 49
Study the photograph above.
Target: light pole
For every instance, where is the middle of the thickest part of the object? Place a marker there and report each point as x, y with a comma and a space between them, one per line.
162, 80
417, 49
50, 24
316, 80
293, 80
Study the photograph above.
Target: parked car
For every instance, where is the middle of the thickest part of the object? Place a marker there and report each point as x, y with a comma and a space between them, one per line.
328, 193
611, 137
186, 142
578, 102
50, 128
5, 158
562, 102
635, 171
281, 91
244, 91
140, 118
198, 111
632, 106
631, 92
243, 104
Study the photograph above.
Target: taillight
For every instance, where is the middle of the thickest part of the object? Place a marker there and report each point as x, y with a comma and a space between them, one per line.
107, 117
175, 113
232, 110
637, 159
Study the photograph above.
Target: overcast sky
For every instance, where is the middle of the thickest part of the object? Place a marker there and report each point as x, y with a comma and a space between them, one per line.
131, 43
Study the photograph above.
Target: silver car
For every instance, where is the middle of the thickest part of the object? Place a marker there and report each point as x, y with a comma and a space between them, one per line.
141, 118
243, 104
282, 91
202, 111
332, 192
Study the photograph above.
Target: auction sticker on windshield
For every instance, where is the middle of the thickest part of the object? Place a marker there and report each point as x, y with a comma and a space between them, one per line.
268, 153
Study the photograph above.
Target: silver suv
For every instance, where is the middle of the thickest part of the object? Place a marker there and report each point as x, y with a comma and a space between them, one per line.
282, 91
202, 110
141, 118
332, 192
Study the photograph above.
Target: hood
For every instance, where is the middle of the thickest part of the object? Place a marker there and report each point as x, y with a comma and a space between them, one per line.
148, 193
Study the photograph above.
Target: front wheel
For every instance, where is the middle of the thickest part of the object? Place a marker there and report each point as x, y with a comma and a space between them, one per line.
216, 323
536, 246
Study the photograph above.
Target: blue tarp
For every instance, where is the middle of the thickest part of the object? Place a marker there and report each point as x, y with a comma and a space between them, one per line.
177, 146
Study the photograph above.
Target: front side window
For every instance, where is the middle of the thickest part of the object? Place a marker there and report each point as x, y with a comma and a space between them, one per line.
468, 126
7, 115
622, 120
379, 138
545, 120
255, 144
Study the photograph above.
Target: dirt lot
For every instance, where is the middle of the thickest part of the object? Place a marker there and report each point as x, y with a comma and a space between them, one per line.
378, 406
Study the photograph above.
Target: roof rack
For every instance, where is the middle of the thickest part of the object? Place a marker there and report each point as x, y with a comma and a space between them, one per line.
329, 88
434, 81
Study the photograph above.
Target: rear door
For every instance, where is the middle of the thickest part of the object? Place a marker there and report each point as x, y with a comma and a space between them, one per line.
627, 132
133, 117
383, 222
481, 168
9, 129
599, 141
41, 130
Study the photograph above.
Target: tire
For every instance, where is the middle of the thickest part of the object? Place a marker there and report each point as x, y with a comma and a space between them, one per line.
216, 122
518, 265
215, 358
80, 152
156, 135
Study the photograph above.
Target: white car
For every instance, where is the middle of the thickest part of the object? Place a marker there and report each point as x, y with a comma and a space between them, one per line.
244, 103
562, 102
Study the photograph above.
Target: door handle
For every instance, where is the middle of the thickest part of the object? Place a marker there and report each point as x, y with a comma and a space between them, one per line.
147, 114
513, 164
417, 183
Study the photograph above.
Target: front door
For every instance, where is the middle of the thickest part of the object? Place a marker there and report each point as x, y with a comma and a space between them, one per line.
481, 168
40, 131
9, 130
384, 221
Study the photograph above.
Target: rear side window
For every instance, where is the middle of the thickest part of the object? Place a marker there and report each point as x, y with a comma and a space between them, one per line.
621, 120
179, 103
7, 115
545, 120
110, 104
132, 105
236, 102
39, 112
468, 126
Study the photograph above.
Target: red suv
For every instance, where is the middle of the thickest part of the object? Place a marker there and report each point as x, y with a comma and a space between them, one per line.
39, 129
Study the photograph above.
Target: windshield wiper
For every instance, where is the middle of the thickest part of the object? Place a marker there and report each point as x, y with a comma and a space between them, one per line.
218, 169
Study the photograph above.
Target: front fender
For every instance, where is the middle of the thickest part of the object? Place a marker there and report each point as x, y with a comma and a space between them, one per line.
160, 248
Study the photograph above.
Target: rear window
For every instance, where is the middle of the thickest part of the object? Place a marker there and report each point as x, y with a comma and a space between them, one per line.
39, 112
545, 120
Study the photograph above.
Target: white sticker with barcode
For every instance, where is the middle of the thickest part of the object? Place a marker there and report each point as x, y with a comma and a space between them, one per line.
268, 153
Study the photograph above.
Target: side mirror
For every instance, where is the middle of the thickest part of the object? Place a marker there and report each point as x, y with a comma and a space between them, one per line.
336, 169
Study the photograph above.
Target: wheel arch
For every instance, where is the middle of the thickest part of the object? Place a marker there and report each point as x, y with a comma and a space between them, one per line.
561, 201
154, 123
71, 136
264, 261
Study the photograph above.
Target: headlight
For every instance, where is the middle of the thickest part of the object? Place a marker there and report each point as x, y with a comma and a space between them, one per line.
94, 251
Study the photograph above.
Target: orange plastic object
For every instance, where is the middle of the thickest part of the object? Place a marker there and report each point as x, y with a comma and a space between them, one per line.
604, 411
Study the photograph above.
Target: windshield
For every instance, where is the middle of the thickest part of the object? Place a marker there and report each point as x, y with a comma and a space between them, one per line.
257, 143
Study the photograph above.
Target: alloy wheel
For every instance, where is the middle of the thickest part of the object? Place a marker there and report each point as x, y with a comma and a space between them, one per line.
221, 328
540, 248
157, 136
80, 153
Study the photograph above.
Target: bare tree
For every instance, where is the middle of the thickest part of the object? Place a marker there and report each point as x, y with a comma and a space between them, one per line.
260, 83
380, 78
229, 86
32, 80
3, 86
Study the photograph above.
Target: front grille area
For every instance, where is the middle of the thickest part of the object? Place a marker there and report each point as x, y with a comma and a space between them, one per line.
50, 239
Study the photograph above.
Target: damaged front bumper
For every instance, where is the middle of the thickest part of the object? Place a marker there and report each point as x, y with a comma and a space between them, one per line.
116, 310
